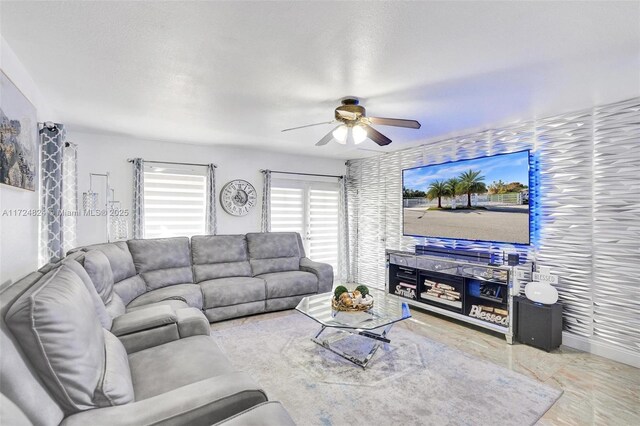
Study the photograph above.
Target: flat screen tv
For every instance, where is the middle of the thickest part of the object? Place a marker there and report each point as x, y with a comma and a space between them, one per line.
482, 199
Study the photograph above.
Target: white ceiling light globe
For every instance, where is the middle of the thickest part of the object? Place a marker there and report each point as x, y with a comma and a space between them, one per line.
340, 134
359, 134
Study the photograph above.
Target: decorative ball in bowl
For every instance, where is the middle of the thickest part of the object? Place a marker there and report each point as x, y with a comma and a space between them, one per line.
357, 300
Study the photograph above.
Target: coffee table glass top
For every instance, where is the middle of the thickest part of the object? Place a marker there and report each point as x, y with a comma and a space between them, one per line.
387, 309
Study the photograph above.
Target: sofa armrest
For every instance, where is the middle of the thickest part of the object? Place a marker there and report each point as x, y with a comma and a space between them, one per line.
201, 403
267, 413
323, 271
192, 322
145, 339
143, 319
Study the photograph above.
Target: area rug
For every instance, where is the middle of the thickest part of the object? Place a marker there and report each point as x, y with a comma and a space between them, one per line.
411, 381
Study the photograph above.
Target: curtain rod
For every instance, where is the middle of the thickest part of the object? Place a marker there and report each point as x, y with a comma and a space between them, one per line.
302, 174
130, 160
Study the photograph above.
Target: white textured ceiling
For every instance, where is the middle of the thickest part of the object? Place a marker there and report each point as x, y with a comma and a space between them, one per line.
235, 73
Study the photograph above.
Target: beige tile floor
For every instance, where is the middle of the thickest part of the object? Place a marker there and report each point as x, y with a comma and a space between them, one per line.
597, 391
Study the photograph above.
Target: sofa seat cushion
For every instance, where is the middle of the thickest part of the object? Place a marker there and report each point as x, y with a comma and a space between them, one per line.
289, 283
189, 293
232, 291
175, 364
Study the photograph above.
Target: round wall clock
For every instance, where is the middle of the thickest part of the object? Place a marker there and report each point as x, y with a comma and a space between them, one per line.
238, 197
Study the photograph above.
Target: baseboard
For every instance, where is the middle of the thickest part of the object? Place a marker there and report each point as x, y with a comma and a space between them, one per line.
601, 349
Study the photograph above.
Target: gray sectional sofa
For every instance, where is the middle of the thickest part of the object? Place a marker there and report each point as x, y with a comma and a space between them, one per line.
225, 276
119, 333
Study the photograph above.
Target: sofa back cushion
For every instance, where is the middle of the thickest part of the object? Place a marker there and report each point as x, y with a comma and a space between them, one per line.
116, 306
56, 326
119, 258
20, 381
162, 261
116, 387
127, 283
101, 311
219, 256
99, 270
274, 252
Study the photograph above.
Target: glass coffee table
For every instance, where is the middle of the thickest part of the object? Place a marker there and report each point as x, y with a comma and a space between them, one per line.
373, 324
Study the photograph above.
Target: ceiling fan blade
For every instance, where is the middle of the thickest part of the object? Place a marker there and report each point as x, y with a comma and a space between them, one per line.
327, 138
347, 114
397, 122
376, 136
309, 125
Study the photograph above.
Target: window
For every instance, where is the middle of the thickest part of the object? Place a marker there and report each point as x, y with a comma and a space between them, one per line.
310, 208
174, 201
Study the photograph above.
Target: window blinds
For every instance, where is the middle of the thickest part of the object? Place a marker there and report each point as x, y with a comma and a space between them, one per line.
174, 202
311, 209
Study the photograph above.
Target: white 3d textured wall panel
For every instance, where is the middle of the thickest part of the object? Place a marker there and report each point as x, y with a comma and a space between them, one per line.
586, 208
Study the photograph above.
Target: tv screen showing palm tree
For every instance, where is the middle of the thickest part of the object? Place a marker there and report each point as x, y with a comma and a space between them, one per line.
482, 199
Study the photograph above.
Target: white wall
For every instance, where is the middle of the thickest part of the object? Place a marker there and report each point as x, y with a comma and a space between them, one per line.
106, 153
19, 235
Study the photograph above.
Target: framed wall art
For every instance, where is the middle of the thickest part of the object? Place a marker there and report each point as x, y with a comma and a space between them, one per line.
18, 137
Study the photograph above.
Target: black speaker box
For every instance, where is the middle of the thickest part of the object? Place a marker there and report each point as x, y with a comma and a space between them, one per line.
538, 325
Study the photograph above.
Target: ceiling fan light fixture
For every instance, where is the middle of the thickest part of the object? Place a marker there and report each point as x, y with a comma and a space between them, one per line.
340, 134
359, 134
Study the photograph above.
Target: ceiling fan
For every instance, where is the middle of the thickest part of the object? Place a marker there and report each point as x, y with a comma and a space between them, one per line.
355, 123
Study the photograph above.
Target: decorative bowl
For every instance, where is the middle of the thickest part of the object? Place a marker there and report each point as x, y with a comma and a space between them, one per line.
348, 302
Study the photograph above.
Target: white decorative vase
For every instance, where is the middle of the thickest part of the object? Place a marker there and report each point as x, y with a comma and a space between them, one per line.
541, 292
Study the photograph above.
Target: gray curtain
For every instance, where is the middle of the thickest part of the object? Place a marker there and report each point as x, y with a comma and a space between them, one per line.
266, 201
344, 263
58, 191
138, 198
69, 195
212, 224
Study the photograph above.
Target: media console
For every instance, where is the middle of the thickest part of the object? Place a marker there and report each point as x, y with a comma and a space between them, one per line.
465, 289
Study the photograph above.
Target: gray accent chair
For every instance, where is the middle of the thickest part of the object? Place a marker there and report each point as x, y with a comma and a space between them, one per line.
59, 365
